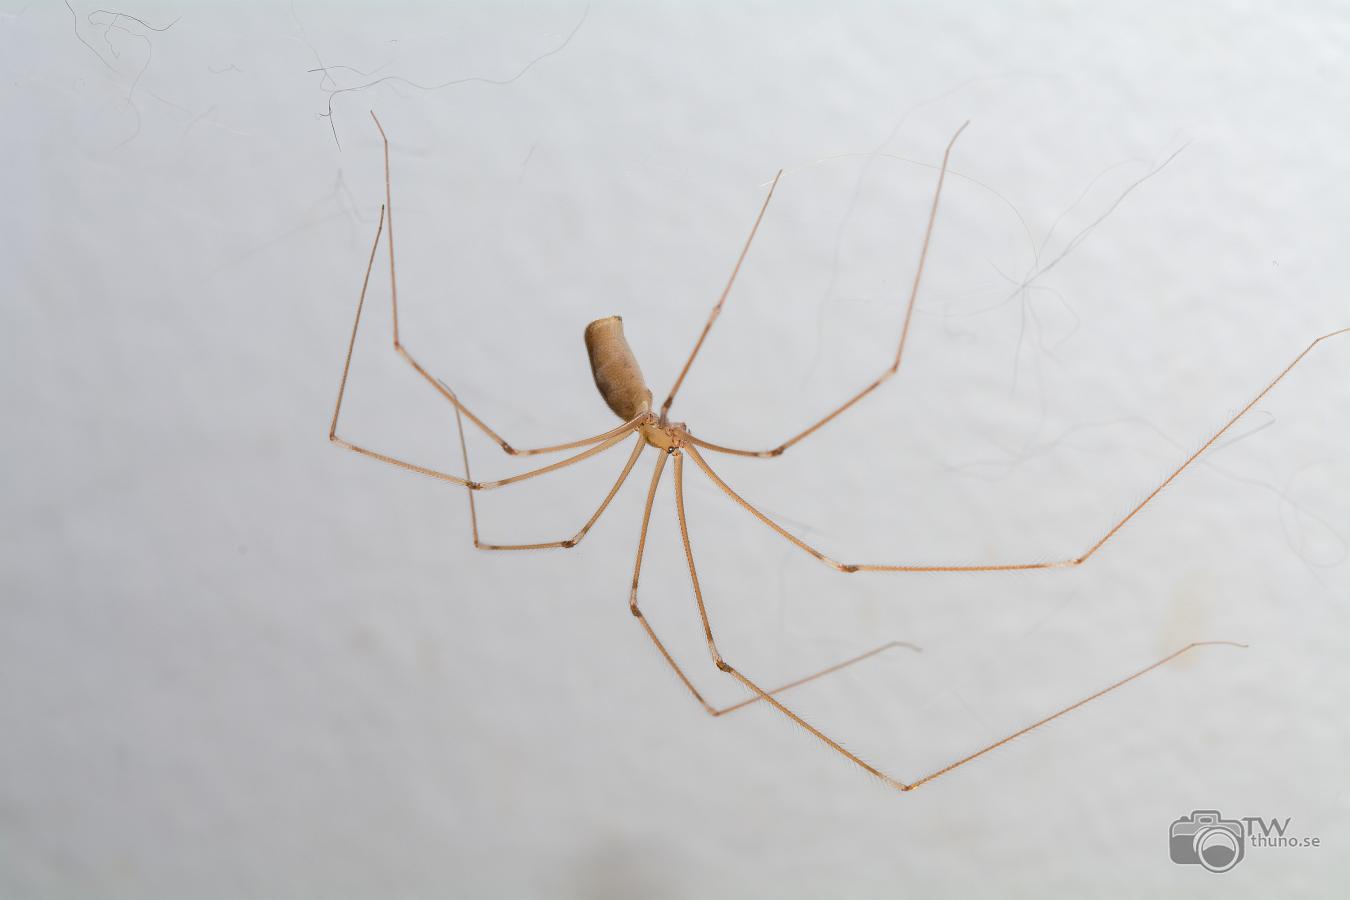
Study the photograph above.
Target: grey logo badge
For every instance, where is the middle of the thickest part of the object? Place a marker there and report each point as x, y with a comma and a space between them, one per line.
1206, 838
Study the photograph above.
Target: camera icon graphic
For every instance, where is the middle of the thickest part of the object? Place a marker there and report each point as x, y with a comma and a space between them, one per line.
1207, 838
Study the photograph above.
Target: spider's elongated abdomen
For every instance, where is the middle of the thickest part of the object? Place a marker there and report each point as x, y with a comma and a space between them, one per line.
616, 370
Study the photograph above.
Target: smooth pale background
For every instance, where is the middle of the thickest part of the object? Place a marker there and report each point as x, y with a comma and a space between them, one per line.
238, 662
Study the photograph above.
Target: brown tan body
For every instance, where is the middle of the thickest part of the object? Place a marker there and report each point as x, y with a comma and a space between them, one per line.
619, 379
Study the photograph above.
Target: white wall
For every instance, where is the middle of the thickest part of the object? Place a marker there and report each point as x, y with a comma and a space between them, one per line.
236, 661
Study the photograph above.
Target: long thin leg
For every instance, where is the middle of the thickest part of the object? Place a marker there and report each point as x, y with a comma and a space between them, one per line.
1006, 567
637, 571
717, 307
413, 467
762, 694
567, 543
670, 660
828, 670
346, 367
431, 379
899, 351
552, 467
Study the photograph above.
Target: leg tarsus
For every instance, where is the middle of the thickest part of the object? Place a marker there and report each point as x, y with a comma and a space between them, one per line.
1070, 708
889, 645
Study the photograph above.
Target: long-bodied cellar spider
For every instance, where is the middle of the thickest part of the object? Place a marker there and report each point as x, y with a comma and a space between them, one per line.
621, 385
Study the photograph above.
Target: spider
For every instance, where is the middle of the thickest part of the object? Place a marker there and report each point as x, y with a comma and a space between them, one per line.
619, 380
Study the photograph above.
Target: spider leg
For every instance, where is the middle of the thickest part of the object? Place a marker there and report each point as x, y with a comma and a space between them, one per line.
566, 543
1005, 567
431, 379
637, 571
899, 352
767, 696
717, 307
670, 660
618, 435
828, 670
